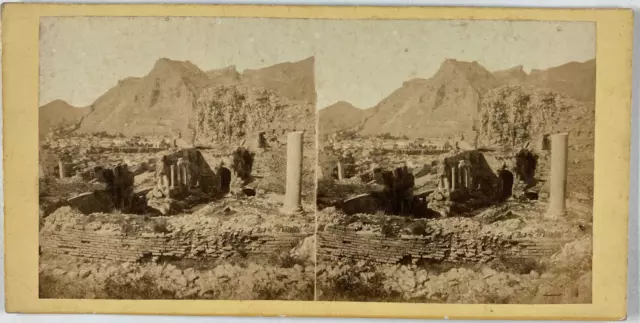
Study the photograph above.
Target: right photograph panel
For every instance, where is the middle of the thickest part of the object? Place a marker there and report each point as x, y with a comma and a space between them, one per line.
455, 161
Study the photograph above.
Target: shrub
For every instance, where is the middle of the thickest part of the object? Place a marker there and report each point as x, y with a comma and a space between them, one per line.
143, 288
517, 266
351, 286
160, 226
389, 230
285, 260
50, 287
268, 292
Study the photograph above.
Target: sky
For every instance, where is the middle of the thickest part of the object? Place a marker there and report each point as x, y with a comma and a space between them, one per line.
358, 61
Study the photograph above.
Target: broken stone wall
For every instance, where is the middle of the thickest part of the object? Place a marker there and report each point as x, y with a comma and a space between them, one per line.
81, 241
461, 247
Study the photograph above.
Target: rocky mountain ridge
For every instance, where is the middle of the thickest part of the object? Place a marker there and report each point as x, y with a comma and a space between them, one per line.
447, 104
56, 114
164, 101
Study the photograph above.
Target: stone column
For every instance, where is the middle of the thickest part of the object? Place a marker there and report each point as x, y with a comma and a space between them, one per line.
558, 178
185, 174
61, 169
466, 177
291, 203
174, 176
340, 171
179, 175
454, 178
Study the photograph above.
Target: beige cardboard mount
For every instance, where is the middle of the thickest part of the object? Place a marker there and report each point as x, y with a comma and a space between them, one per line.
20, 30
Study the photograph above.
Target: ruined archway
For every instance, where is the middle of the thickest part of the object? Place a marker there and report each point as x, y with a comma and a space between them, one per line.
506, 184
225, 179
526, 163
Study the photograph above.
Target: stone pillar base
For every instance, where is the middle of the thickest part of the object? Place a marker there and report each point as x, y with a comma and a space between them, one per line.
555, 214
291, 211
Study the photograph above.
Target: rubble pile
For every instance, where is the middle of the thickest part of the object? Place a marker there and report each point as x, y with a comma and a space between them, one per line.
67, 277
226, 215
479, 285
61, 219
252, 214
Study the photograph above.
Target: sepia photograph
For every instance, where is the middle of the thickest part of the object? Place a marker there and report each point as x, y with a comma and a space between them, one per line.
177, 159
316, 161
456, 163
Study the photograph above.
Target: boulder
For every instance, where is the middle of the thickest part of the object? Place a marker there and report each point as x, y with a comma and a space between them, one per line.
305, 250
84, 273
441, 207
165, 206
364, 203
91, 202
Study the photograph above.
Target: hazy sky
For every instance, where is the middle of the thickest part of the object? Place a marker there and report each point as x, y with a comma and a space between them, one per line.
359, 61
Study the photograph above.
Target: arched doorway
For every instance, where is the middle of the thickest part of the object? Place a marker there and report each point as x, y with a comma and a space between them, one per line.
225, 179
526, 166
506, 183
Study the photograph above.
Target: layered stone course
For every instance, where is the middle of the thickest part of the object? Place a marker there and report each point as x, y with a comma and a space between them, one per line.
83, 243
457, 248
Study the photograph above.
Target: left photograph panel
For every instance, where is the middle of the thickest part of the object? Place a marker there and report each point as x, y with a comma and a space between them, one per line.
177, 158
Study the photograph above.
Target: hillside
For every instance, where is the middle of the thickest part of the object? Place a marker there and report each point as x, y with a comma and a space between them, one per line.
162, 102
292, 80
340, 116
58, 113
225, 75
514, 75
158, 103
443, 105
575, 80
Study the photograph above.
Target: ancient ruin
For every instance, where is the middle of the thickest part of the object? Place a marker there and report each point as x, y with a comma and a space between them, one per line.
294, 173
414, 210
222, 205
466, 185
558, 179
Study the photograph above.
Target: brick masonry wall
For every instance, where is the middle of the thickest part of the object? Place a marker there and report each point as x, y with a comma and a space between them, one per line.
460, 247
131, 248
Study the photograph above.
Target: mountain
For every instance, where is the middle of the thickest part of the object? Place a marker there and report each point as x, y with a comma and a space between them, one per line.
226, 75
341, 116
514, 75
575, 80
157, 103
295, 81
162, 102
58, 113
447, 104
292, 80
443, 105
